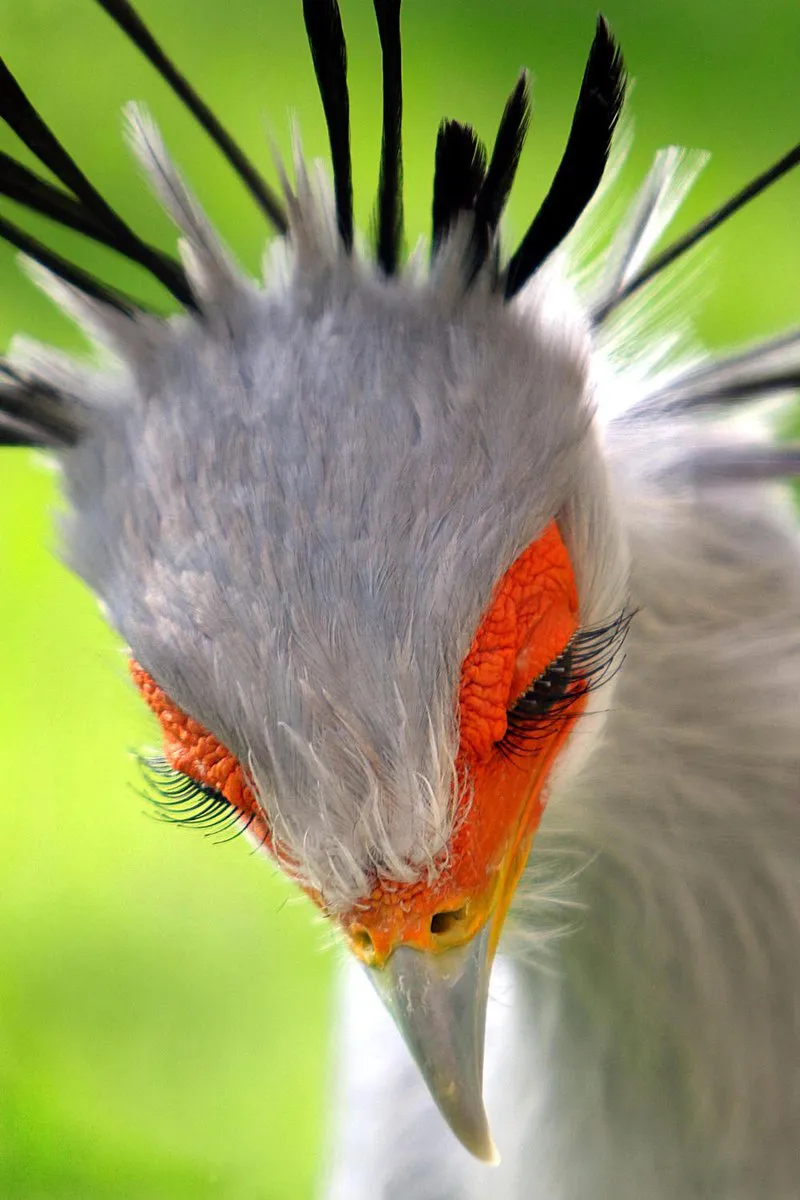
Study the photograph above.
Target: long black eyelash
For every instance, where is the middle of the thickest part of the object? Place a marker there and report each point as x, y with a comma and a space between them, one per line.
183, 801
592, 657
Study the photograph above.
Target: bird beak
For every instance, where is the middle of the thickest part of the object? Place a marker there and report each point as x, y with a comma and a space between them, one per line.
436, 989
428, 948
438, 1002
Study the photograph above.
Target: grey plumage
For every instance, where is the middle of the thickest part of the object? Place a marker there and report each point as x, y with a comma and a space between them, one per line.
295, 507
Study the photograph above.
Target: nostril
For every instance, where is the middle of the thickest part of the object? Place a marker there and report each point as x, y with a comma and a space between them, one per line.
446, 922
362, 941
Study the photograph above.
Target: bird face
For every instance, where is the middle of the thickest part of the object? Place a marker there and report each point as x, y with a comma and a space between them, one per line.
521, 686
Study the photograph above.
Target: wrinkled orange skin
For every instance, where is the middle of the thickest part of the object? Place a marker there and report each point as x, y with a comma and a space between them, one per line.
532, 617
191, 749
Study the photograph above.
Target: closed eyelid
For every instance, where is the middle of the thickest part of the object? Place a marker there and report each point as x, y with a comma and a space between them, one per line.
590, 659
531, 619
198, 778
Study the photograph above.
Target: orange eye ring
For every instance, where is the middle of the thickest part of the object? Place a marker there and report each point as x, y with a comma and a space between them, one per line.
530, 621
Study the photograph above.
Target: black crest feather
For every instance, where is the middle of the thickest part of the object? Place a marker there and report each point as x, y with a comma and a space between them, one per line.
20, 115
34, 414
494, 192
71, 274
390, 188
131, 24
329, 52
459, 176
25, 187
85, 210
584, 160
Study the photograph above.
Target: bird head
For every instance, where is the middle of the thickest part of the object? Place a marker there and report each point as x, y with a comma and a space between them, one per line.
377, 654
354, 526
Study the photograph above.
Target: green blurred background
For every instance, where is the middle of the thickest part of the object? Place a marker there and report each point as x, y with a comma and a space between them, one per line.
165, 1003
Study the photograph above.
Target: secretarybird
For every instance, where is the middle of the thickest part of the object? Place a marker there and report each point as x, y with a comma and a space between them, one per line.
453, 587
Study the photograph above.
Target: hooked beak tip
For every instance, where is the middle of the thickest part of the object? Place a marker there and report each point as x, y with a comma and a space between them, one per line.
486, 1152
466, 1116
492, 1158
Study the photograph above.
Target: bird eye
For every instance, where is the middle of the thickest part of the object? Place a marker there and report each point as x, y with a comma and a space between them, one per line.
589, 660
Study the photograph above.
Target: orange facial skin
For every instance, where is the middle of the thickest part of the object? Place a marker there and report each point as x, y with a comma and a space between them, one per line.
532, 617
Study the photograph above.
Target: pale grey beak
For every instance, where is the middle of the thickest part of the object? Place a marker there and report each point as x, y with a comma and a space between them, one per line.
438, 1002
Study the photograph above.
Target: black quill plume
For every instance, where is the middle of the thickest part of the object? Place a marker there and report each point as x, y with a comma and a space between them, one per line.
131, 24
329, 52
67, 271
390, 188
25, 187
494, 192
85, 210
584, 160
459, 176
32, 413
696, 234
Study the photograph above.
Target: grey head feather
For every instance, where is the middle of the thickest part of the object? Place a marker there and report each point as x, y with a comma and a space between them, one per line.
668, 182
